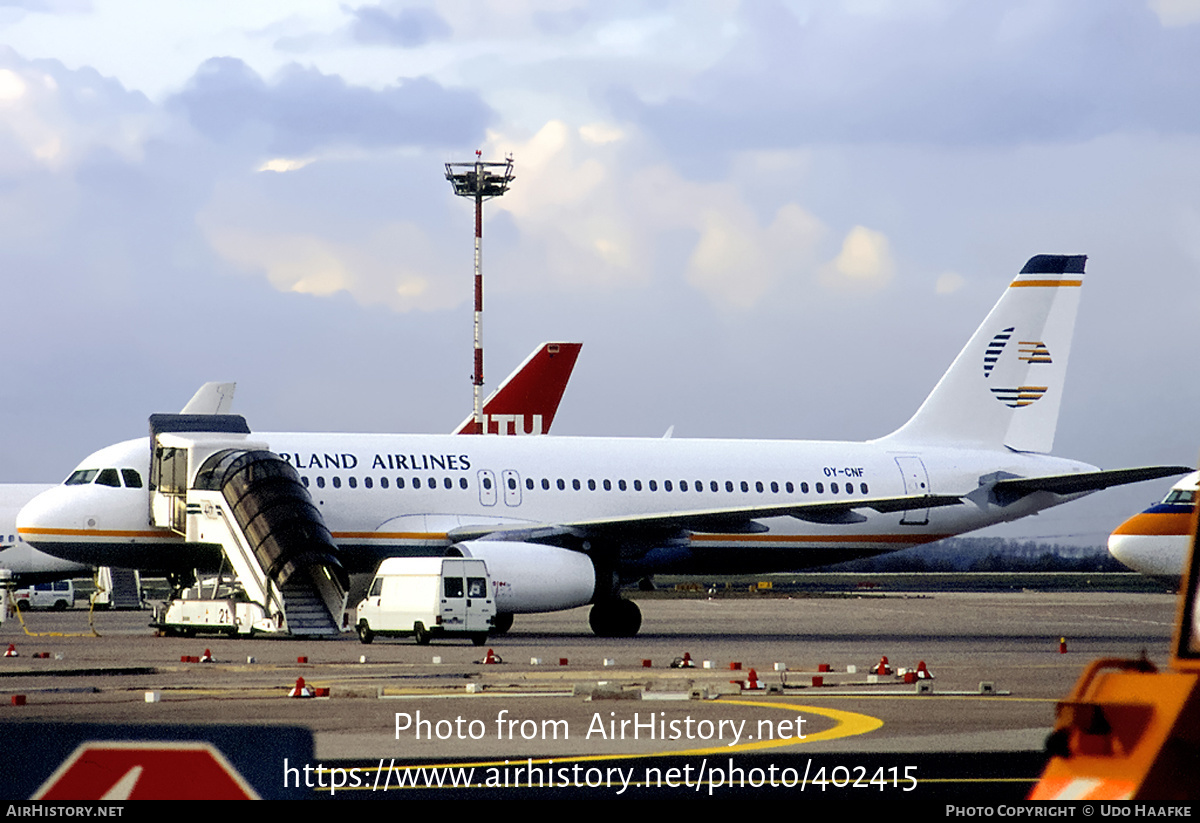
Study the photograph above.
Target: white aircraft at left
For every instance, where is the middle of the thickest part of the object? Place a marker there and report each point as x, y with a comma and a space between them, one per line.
564, 521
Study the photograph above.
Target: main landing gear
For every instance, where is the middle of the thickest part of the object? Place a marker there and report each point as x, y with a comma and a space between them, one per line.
615, 618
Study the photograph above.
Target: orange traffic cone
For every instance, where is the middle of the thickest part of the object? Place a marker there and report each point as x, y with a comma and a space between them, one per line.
11, 651
300, 689
883, 667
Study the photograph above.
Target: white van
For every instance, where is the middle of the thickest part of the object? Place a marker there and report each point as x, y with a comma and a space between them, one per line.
58, 595
428, 597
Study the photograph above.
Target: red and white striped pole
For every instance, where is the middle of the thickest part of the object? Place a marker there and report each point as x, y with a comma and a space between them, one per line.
477, 376
481, 181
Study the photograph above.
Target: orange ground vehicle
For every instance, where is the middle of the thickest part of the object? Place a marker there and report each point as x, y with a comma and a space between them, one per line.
1128, 731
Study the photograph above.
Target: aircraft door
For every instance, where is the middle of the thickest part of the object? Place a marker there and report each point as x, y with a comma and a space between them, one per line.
916, 481
487, 487
512, 487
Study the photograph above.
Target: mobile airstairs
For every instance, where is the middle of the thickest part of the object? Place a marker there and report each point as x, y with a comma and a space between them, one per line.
210, 483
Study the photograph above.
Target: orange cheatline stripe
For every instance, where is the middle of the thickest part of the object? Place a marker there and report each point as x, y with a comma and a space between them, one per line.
391, 535
99, 533
1049, 283
1157, 523
819, 538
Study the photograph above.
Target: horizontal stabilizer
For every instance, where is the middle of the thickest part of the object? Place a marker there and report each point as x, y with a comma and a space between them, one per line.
1008, 491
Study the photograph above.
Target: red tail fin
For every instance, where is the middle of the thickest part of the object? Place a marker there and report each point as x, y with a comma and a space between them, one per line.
527, 400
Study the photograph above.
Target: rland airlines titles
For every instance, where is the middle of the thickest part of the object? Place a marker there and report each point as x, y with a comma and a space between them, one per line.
409, 462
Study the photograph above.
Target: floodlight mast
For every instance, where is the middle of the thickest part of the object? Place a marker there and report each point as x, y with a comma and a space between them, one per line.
482, 181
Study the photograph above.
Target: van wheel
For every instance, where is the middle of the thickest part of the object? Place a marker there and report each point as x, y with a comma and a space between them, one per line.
501, 623
421, 634
22, 605
479, 639
364, 632
60, 605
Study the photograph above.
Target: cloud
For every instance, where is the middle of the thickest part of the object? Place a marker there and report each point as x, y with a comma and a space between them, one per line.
959, 74
1173, 13
54, 118
597, 212
397, 265
305, 109
865, 262
405, 27
736, 262
948, 283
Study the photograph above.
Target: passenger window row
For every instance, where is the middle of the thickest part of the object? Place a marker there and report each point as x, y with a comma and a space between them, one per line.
369, 482
729, 486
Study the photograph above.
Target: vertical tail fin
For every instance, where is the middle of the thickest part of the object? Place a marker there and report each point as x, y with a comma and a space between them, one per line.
1005, 386
527, 400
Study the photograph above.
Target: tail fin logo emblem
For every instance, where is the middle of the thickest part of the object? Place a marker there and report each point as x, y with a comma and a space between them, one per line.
994, 349
1020, 396
1027, 351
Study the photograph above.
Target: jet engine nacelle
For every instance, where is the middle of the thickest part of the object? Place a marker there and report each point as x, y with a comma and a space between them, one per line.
528, 577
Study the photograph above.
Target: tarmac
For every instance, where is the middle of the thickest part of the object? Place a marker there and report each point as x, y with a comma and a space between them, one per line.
562, 694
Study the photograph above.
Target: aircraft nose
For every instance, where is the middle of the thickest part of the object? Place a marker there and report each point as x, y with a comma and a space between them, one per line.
42, 516
1153, 542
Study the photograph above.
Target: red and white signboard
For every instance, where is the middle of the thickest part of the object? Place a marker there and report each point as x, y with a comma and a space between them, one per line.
143, 770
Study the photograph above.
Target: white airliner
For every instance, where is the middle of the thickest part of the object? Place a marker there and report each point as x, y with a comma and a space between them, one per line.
565, 521
1156, 541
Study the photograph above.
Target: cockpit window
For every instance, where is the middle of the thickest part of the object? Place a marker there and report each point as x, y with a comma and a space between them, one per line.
133, 480
1180, 497
81, 477
109, 477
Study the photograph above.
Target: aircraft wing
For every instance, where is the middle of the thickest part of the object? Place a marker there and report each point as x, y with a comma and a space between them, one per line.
1011, 489
710, 520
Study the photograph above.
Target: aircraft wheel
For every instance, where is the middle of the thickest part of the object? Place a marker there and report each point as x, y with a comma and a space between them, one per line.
501, 623
615, 618
364, 632
421, 633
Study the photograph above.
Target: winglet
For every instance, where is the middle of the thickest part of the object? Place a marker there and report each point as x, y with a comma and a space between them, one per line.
527, 400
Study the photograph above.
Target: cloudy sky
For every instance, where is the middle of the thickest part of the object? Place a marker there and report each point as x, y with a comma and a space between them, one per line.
762, 219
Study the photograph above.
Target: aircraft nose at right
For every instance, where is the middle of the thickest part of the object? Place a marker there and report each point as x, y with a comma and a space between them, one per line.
1153, 542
